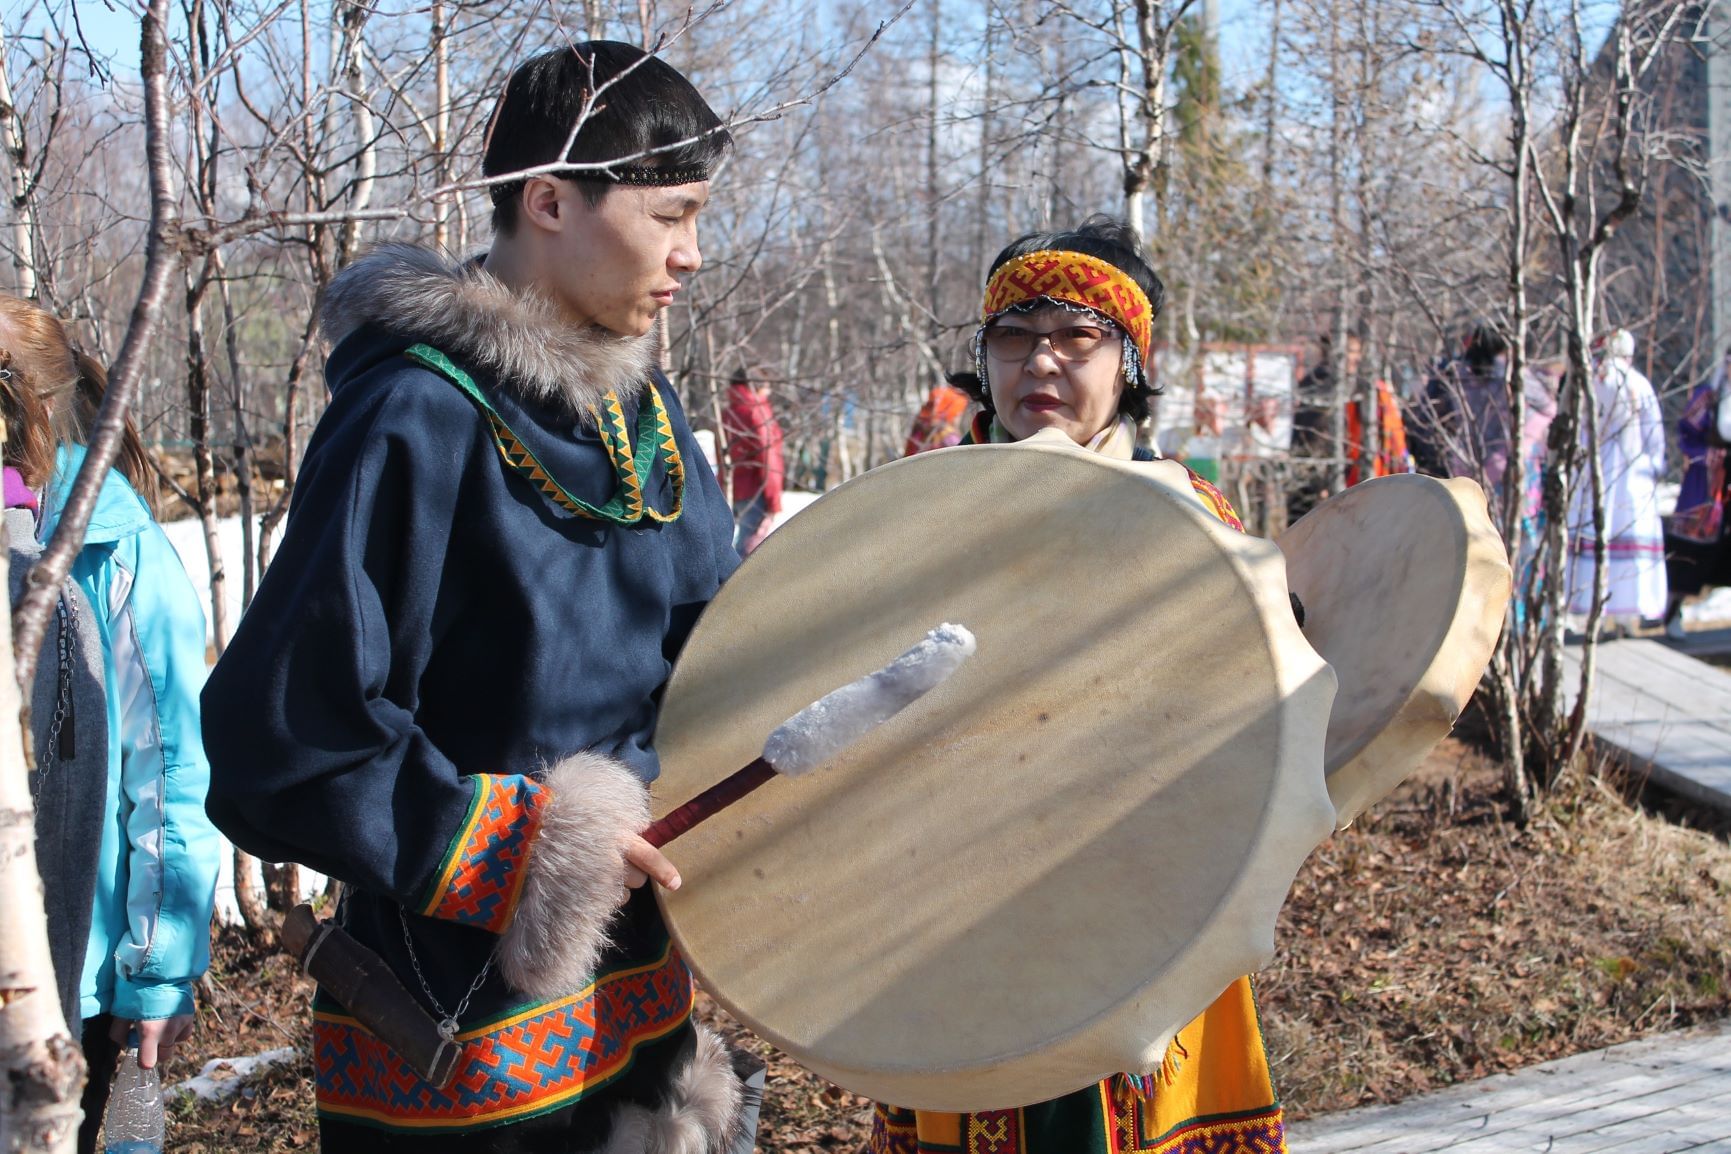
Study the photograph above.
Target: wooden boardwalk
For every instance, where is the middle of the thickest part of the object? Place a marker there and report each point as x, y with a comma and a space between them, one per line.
1666, 710
1660, 1095
1706, 644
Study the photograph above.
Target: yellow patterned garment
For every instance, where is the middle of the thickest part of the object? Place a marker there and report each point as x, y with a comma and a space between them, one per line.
1213, 1095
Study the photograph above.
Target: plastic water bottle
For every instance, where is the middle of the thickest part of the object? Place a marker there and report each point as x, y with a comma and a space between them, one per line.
133, 1122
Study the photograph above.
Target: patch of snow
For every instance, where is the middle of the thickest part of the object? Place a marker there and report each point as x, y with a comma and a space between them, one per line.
221, 1077
794, 501
826, 726
1714, 608
187, 537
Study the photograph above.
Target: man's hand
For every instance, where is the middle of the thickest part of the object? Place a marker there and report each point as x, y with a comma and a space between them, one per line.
157, 1037
642, 862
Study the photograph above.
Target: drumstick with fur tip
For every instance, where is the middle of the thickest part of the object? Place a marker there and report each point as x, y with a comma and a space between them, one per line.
824, 728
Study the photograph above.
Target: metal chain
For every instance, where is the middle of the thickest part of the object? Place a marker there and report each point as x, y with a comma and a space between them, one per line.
448, 1020
66, 611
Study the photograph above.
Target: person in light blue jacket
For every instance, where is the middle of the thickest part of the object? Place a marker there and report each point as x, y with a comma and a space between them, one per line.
158, 853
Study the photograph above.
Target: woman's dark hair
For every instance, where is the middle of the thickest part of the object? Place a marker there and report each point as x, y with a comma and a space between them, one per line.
29, 432
50, 391
1114, 242
132, 458
647, 105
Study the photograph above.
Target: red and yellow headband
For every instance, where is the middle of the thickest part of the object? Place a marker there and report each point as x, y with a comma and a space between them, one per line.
1077, 279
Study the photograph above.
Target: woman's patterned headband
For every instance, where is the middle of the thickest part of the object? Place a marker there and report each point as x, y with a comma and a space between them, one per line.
1073, 278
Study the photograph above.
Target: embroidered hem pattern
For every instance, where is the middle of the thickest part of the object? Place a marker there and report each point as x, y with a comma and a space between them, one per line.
896, 1131
1263, 1132
481, 878
536, 1061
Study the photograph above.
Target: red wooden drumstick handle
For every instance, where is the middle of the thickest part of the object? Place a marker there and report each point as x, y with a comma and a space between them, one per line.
709, 803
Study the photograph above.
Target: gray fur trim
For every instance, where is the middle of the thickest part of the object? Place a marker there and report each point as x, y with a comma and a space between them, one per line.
576, 876
520, 338
699, 1115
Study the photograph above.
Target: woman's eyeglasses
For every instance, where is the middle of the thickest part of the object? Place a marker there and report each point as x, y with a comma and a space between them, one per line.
1070, 343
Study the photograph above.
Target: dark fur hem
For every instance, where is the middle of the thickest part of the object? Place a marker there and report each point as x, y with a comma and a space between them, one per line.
521, 338
576, 876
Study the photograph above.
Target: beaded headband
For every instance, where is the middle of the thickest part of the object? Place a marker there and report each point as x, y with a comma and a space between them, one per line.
1076, 279
638, 176
657, 177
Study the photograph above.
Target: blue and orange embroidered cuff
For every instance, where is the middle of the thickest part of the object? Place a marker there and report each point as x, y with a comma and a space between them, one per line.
481, 876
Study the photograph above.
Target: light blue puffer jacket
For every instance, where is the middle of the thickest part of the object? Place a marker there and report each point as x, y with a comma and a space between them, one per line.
156, 877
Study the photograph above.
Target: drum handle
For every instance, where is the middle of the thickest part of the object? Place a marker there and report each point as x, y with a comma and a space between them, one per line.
709, 803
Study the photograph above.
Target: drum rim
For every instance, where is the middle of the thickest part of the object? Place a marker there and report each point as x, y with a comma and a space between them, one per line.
1244, 936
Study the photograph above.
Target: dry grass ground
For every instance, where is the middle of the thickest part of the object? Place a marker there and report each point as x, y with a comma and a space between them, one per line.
1429, 944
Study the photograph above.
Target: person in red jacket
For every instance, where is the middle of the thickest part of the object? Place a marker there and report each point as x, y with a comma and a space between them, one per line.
754, 461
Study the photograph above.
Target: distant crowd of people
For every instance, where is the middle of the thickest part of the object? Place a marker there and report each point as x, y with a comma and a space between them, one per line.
1460, 426
1457, 426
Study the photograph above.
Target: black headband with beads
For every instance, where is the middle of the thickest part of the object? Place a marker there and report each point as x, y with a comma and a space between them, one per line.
638, 176
656, 177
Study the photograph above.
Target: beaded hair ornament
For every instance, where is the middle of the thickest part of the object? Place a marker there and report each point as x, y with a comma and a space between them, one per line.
1077, 282
636, 175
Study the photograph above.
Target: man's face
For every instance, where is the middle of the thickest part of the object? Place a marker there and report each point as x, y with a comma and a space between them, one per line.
1354, 354
619, 263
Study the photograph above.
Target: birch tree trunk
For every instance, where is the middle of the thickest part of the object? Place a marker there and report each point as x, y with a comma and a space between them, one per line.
353, 54
1337, 223
441, 126
1508, 668
198, 390
1144, 167
41, 1069
18, 166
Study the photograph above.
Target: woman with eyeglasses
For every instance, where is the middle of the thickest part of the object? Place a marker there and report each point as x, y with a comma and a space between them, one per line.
1065, 338
1066, 332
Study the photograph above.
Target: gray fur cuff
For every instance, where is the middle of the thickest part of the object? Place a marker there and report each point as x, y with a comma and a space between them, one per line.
700, 1114
576, 875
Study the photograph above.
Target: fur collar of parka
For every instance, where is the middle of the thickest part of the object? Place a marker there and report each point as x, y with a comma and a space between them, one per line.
521, 338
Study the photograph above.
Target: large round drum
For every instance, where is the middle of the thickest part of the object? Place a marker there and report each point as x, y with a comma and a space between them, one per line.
1035, 875
1405, 583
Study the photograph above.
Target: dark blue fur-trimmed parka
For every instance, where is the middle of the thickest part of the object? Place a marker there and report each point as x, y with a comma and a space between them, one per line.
444, 694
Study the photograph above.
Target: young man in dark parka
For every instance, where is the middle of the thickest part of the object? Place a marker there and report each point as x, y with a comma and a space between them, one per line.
445, 690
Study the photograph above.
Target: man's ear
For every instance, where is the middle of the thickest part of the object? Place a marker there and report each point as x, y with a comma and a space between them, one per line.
543, 205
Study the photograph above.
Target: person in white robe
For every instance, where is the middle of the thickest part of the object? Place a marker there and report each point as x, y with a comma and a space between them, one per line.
1631, 452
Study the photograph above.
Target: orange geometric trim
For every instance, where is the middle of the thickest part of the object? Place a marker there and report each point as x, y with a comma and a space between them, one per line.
481, 878
533, 1062
1073, 278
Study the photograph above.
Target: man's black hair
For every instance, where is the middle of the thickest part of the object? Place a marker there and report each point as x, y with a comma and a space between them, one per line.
1114, 242
649, 113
